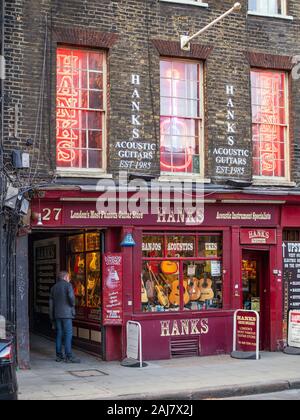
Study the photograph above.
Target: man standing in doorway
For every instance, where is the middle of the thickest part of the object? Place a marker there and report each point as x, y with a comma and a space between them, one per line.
62, 313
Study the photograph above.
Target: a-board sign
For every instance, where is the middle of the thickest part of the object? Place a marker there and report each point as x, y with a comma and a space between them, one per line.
133, 336
294, 329
246, 334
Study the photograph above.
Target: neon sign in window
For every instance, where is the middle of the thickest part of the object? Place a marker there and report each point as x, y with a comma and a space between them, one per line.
181, 116
270, 123
80, 109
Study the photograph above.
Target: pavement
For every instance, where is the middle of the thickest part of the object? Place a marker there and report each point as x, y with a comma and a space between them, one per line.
177, 379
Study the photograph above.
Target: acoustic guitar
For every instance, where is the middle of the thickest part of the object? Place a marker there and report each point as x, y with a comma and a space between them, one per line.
174, 296
194, 289
161, 296
207, 292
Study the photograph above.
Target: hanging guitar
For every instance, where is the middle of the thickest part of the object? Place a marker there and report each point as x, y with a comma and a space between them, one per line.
207, 292
174, 296
161, 295
79, 265
144, 295
194, 289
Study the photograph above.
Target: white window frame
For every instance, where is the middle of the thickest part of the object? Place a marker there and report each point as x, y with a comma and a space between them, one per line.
282, 15
180, 175
89, 172
198, 3
268, 180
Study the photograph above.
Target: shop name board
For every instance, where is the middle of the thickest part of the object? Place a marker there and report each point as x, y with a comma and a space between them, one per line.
134, 153
231, 215
74, 214
231, 161
184, 327
258, 236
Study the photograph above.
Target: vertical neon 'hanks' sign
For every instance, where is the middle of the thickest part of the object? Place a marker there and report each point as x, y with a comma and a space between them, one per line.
67, 105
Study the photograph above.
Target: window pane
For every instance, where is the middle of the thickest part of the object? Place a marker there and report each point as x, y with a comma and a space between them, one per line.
79, 90
180, 102
181, 246
93, 280
204, 284
269, 116
159, 292
270, 7
210, 246
153, 246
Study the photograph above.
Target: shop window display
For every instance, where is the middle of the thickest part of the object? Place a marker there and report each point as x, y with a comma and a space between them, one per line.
84, 265
185, 274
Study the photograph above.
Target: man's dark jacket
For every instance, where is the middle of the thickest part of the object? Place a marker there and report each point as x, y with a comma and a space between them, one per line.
62, 301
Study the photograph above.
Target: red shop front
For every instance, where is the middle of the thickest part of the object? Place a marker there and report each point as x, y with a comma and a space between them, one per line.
181, 281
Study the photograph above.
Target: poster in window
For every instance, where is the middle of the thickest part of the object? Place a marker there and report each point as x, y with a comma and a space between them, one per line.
112, 289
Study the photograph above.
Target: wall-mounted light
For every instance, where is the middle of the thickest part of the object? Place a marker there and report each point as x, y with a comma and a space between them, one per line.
128, 241
185, 41
40, 220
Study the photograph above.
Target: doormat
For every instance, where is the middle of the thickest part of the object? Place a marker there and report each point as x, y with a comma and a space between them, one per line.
87, 373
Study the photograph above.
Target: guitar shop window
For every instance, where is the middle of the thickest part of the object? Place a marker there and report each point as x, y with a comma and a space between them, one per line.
182, 272
84, 266
181, 121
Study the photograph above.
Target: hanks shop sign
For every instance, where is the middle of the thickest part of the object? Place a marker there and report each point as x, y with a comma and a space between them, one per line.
184, 327
134, 153
230, 160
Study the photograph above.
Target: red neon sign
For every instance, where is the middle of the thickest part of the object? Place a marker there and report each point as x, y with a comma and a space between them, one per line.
68, 102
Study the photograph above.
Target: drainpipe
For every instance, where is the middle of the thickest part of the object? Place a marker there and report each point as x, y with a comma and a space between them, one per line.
3, 288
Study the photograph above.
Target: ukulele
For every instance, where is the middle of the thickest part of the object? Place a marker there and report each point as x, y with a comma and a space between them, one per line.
174, 296
194, 289
207, 292
161, 296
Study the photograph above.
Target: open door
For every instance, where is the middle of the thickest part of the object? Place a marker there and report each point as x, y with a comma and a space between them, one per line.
256, 290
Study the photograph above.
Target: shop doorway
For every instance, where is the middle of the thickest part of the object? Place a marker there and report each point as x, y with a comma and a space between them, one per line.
256, 290
79, 253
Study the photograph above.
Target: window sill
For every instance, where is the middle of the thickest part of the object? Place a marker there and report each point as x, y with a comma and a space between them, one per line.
261, 182
284, 17
186, 2
182, 178
82, 174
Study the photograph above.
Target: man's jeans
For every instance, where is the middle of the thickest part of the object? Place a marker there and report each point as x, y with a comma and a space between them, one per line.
64, 330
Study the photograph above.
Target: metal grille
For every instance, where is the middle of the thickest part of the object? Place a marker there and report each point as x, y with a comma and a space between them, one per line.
185, 348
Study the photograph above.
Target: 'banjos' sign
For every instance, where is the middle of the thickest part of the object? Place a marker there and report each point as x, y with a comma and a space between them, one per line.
136, 154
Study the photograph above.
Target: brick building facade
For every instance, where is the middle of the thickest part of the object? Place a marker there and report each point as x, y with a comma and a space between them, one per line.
134, 36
